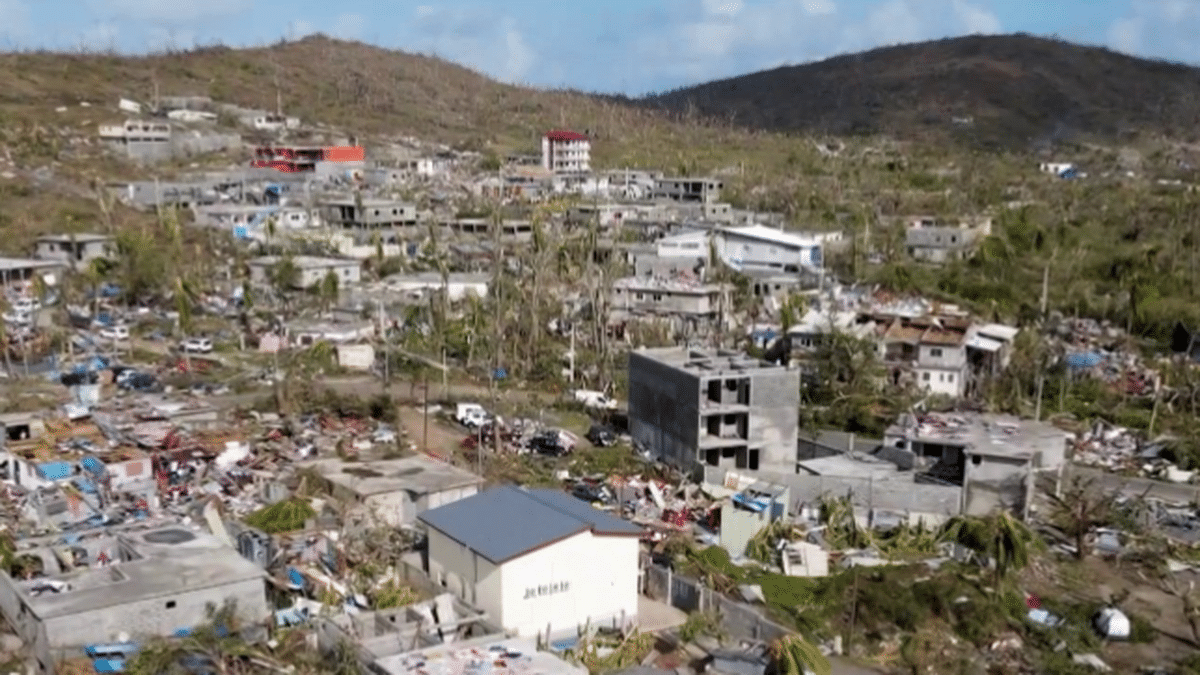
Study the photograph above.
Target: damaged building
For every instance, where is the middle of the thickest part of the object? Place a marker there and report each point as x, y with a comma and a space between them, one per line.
397, 490
994, 458
94, 586
693, 408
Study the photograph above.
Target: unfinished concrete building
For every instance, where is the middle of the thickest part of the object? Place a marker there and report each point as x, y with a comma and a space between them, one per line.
93, 586
720, 408
995, 459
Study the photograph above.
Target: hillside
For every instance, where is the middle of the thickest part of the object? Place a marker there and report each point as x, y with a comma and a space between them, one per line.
1018, 89
352, 86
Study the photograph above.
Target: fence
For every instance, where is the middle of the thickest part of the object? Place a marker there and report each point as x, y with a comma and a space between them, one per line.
742, 621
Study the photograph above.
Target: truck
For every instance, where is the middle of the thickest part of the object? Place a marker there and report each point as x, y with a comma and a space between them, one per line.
471, 415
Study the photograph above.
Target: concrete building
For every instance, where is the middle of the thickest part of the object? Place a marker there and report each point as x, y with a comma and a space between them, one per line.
705, 190
749, 511
368, 214
536, 561
76, 250
397, 490
718, 408
930, 241
994, 458
312, 270
152, 141
566, 152
457, 285
758, 247
148, 581
21, 271
660, 296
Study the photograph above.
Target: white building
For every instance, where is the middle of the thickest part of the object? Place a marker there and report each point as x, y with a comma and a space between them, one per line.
566, 152
310, 270
536, 560
757, 247
457, 285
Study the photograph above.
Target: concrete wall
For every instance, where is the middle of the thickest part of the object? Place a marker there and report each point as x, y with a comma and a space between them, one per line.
930, 502
704, 300
460, 571
774, 417
664, 410
153, 617
740, 620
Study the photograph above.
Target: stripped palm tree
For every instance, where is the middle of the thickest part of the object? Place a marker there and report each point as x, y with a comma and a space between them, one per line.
999, 537
793, 655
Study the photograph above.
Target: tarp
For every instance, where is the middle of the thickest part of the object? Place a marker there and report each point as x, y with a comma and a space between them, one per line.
54, 470
1083, 360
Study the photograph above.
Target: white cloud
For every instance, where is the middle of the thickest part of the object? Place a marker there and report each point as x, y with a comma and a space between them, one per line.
349, 26
173, 12
1125, 35
820, 7
975, 19
481, 40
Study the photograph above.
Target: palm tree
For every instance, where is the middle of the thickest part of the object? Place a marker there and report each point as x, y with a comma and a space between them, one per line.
285, 275
999, 537
328, 290
793, 655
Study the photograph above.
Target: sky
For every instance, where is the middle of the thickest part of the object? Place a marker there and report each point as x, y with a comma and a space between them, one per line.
613, 46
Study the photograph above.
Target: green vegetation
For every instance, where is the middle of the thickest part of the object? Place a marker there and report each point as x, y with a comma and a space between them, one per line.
289, 515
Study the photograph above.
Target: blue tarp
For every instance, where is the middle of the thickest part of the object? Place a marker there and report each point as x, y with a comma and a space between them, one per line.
85, 484
54, 470
754, 504
111, 649
92, 465
109, 665
295, 577
1083, 360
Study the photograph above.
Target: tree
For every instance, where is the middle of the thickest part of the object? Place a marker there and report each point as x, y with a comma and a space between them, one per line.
1005, 541
1080, 510
328, 290
214, 644
284, 276
793, 655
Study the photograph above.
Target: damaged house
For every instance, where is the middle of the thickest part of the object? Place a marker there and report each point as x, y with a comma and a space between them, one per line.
97, 585
995, 459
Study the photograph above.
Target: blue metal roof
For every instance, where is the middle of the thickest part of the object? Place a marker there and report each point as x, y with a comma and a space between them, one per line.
506, 522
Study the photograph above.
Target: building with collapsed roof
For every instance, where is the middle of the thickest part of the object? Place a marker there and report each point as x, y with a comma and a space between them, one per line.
718, 408
397, 490
148, 581
994, 458
537, 561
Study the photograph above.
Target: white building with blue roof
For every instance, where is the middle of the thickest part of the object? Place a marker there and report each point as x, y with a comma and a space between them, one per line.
537, 561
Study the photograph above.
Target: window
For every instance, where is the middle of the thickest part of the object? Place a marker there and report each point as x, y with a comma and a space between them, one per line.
977, 459
950, 377
641, 296
925, 377
170, 604
935, 353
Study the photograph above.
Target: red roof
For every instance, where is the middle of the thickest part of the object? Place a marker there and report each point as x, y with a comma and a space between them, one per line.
565, 136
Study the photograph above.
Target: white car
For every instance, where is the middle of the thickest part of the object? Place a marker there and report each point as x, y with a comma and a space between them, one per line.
115, 333
17, 318
197, 345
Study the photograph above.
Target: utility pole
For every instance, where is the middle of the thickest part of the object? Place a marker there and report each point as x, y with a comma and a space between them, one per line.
425, 409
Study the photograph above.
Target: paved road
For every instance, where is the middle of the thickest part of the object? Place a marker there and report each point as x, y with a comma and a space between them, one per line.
400, 389
1137, 486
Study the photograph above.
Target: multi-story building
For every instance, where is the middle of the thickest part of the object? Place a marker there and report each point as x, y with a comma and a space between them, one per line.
368, 214
705, 190
566, 152
76, 250
720, 408
928, 240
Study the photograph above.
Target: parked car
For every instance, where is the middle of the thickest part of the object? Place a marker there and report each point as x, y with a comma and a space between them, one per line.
197, 345
602, 436
553, 442
17, 318
472, 415
26, 306
384, 434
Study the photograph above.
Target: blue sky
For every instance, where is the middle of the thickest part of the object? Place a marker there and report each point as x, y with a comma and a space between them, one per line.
628, 46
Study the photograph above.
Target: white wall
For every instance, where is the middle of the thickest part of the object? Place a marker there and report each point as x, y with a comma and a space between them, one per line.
600, 573
945, 381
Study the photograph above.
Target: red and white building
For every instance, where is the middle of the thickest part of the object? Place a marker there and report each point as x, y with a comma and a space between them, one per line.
566, 152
